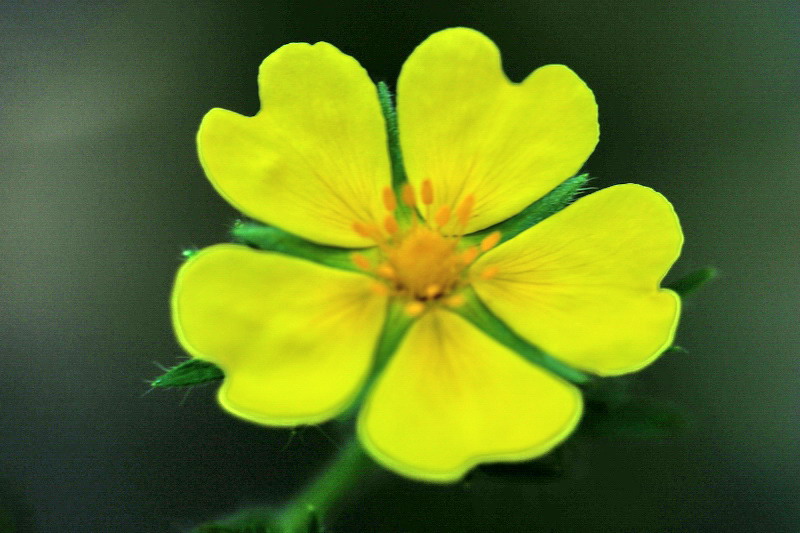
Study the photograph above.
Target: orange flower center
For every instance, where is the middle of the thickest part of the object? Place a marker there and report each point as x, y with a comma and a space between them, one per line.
422, 261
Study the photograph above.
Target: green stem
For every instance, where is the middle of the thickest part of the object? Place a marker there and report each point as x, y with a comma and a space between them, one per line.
304, 514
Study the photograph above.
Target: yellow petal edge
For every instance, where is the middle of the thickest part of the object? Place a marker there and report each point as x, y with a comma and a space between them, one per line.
471, 131
313, 160
452, 398
294, 339
584, 284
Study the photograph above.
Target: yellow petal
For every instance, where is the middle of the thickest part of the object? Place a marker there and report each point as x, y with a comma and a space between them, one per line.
583, 285
452, 398
294, 338
470, 130
314, 158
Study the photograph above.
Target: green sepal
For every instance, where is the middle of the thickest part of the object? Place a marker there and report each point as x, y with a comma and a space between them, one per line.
395, 327
549, 204
675, 349
392, 135
694, 281
188, 373
189, 252
480, 316
399, 178
642, 418
276, 240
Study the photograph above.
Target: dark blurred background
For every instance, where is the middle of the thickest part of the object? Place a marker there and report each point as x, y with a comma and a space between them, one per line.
100, 190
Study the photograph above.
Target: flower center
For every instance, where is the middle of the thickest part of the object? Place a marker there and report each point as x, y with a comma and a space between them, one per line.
422, 260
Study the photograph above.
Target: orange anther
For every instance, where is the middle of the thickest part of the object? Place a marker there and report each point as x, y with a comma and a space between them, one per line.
414, 308
389, 200
361, 261
464, 210
427, 192
432, 290
490, 241
391, 225
489, 272
455, 300
469, 255
442, 216
407, 194
363, 229
386, 271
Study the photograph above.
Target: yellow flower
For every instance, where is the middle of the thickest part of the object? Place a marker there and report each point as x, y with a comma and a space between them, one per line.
297, 339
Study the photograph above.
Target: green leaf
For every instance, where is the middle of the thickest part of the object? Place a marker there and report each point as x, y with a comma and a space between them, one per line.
276, 240
191, 372
551, 203
482, 317
636, 418
693, 281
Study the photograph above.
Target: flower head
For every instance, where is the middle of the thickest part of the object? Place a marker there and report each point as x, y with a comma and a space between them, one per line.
299, 340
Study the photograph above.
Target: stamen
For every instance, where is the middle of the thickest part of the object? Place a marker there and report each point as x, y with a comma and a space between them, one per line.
489, 272
427, 192
361, 261
391, 225
469, 255
363, 229
490, 241
386, 271
464, 210
414, 308
389, 200
442, 216
432, 290
407, 195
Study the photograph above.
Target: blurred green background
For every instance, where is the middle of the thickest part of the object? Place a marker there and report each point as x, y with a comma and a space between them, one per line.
100, 190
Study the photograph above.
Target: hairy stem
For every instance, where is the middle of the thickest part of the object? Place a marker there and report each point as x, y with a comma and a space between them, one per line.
305, 512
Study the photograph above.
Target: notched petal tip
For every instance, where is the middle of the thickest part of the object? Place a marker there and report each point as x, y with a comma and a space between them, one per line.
302, 52
516, 141
313, 159
457, 472
452, 398
597, 266
293, 338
